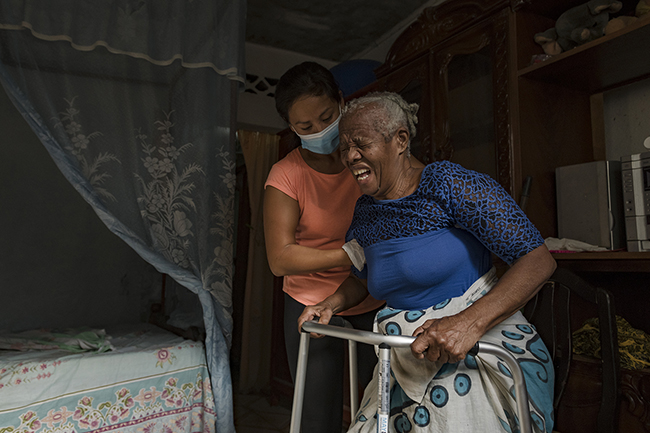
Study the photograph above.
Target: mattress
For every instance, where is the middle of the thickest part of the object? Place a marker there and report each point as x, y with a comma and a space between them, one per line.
153, 381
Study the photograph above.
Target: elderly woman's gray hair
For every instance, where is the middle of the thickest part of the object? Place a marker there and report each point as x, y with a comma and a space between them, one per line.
398, 112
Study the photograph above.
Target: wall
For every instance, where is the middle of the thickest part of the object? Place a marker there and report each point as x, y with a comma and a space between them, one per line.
264, 66
627, 119
257, 109
379, 49
59, 265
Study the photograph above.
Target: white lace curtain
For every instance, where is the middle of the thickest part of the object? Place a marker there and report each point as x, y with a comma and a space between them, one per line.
131, 98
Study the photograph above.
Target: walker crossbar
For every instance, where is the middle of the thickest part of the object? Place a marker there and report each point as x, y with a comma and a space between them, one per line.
385, 342
358, 335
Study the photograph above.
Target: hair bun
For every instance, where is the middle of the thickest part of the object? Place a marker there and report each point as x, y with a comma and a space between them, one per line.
413, 108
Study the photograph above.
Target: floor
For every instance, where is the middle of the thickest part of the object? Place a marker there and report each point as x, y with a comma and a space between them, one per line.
254, 414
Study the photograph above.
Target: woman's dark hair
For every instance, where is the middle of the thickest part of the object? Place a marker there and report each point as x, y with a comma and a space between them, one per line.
305, 79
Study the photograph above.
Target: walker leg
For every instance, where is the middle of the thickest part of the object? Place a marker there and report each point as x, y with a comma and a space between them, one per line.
521, 394
299, 387
383, 411
354, 384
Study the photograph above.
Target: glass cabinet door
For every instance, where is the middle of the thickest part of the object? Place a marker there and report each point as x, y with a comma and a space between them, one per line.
470, 111
471, 93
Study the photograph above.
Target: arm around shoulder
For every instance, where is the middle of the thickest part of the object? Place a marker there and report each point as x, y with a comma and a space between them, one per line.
285, 256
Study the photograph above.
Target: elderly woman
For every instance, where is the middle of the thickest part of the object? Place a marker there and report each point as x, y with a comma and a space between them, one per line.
427, 234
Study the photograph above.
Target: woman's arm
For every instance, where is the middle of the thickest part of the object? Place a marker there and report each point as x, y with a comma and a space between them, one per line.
350, 293
450, 338
281, 215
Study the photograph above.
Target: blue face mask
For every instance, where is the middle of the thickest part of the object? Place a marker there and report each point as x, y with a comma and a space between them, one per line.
324, 142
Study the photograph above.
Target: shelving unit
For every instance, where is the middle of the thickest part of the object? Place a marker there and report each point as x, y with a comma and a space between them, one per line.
559, 120
611, 61
560, 115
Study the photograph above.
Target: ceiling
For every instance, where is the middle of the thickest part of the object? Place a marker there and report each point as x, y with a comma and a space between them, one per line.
335, 30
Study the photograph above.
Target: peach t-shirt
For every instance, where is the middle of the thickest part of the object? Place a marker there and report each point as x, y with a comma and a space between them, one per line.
326, 204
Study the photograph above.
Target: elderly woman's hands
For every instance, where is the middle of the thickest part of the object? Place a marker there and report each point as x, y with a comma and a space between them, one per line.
446, 340
322, 310
450, 338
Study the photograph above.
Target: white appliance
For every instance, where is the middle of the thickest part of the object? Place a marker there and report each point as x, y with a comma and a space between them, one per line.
589, 207
636, 196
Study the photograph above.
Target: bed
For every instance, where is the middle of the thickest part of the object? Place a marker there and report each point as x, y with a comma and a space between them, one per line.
145, 380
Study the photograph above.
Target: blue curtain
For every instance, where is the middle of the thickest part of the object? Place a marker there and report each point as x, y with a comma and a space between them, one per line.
132, 99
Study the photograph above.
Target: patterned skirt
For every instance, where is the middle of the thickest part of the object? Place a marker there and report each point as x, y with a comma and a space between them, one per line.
474, 395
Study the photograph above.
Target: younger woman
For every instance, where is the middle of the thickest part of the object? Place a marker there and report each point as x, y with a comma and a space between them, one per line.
308, 206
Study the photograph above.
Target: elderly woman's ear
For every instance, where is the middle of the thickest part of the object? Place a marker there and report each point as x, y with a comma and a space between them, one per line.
402, 140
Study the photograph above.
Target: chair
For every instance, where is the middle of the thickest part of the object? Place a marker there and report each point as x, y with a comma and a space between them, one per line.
550, 312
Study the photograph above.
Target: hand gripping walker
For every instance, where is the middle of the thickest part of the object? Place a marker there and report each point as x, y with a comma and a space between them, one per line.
385, 342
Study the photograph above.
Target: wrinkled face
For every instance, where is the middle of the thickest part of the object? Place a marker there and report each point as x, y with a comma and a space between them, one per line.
375, 163
312, 114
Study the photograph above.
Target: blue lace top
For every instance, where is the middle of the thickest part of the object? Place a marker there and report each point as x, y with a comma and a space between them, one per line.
433, 244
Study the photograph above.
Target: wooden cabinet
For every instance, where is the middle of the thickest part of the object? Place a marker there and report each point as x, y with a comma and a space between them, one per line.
454, 61
483, 105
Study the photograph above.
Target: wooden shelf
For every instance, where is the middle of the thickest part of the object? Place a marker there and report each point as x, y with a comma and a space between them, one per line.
550, 8
605, 261
554, 8
602, 255
599, 65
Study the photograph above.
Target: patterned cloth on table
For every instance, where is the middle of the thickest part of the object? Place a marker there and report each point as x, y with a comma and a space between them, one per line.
475, 394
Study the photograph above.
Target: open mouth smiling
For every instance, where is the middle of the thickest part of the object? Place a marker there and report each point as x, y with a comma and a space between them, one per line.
362, 173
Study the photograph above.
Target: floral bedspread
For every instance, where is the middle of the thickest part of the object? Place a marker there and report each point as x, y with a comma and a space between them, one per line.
152, 382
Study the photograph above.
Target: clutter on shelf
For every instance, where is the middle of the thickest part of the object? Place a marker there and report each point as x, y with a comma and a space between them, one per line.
587, 22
